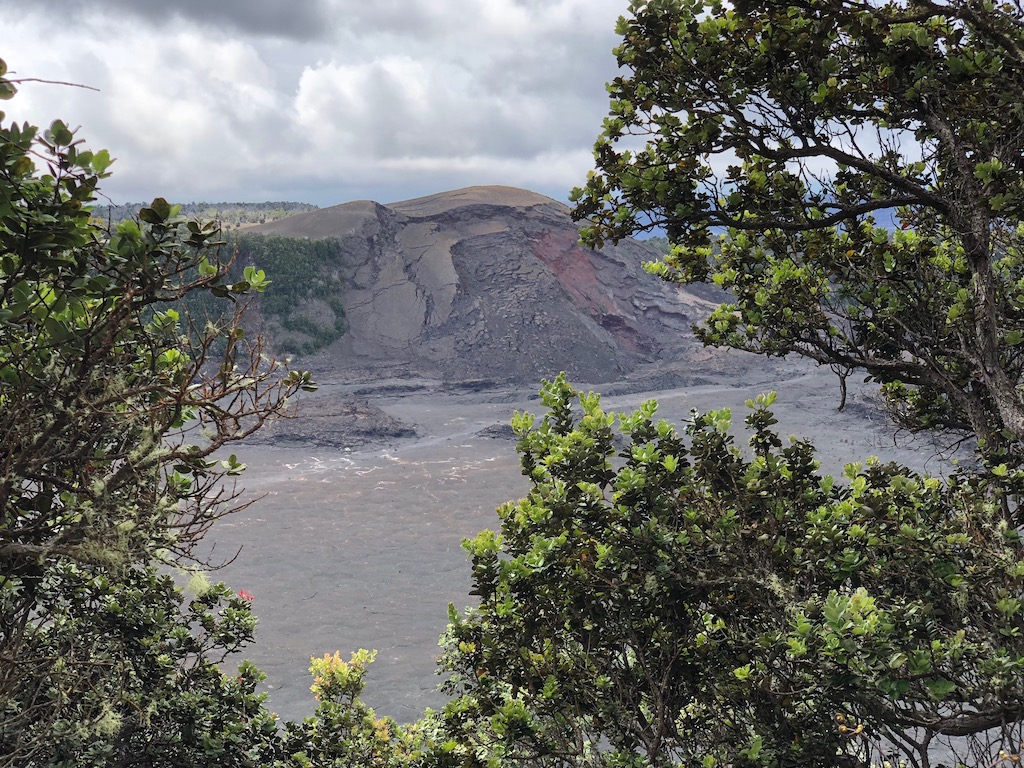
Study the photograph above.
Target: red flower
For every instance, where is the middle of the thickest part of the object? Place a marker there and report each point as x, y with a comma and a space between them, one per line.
245, 595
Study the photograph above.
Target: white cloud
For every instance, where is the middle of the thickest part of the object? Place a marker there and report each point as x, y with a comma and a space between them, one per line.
392, 106
548, 170
450, 92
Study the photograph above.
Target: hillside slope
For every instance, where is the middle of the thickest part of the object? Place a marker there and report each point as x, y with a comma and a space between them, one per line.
489, 282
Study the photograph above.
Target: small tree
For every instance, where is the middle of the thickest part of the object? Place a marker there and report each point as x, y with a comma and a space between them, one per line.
114, 413
783, 142
685, 604
344, 731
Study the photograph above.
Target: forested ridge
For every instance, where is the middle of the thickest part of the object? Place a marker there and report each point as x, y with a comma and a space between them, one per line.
303, 312
230, 215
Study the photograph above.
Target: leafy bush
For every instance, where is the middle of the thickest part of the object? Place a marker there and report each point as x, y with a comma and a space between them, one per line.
114, 413
682, 602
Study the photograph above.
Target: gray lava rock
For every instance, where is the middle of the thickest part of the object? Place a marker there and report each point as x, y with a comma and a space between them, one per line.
491, 283
334, 421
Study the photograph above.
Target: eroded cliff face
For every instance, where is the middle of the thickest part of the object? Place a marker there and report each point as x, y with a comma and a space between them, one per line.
490, 282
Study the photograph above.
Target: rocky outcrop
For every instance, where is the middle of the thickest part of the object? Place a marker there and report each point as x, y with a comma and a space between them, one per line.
334, 421
491, 282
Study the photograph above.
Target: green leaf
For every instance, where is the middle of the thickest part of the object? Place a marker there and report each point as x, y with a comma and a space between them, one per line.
835, 612
753, 752
59, 134
161, 208
206, 269
940, 688
101, 161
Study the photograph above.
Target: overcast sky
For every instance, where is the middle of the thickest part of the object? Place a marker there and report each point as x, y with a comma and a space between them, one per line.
320, 101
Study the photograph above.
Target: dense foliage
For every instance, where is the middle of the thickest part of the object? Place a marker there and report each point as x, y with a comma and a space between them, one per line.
304, 311
114, 413
851, 172
343, 730
305, 307
683, 602
122, 669
860, 168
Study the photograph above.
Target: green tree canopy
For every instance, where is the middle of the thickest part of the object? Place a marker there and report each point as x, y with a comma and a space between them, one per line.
683, 602
861, 166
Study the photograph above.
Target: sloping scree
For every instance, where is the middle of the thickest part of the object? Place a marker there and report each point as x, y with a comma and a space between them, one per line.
491, 283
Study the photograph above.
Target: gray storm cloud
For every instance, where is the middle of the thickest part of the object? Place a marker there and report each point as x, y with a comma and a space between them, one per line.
305, 20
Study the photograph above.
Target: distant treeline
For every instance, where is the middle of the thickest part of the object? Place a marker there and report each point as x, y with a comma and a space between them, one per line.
231, 215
